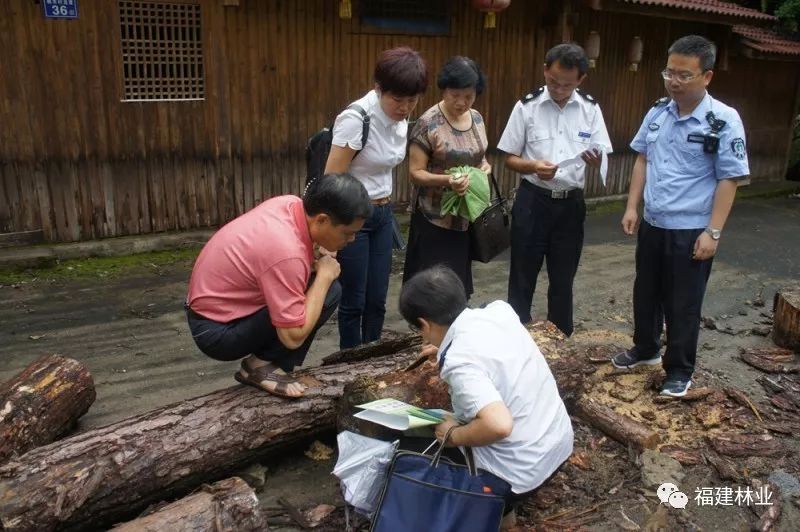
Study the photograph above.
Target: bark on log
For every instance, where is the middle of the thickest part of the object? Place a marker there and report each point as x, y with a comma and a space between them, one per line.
229, 504
747, 445
622, 428
786, 310
109, 474
42, 403
771, 360
390, 344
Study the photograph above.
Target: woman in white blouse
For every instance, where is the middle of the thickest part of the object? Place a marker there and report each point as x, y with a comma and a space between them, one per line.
400, 78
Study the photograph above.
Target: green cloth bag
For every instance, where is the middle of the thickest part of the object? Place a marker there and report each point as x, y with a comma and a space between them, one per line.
476, 199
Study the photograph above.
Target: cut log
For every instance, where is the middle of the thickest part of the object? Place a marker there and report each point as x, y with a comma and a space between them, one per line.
107, 475
786, 315
390, 344
620, 427
422, 386
42, 403
735, 444
229, 504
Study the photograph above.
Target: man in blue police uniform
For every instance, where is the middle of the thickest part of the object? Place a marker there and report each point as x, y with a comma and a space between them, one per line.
547, 127
691, 155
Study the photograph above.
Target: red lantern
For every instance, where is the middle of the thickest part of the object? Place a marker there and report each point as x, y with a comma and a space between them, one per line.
490, 7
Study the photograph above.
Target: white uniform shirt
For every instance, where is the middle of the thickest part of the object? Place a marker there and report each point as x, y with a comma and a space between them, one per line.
491, 357
540, 129
385, 149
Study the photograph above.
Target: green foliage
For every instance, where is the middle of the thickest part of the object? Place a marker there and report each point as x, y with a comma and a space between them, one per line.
788, 11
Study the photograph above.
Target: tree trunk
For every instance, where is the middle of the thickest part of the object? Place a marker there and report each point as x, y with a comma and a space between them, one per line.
786, 327
229, 504
42, 403
622, 428
109, 474
390, 344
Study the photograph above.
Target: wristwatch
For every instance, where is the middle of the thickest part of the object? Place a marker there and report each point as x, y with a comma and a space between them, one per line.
714, 233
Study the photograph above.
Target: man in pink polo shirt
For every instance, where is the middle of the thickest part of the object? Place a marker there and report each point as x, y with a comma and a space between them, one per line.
257, 291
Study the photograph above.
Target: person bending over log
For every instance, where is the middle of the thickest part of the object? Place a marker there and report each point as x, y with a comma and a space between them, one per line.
258, 290
505, 400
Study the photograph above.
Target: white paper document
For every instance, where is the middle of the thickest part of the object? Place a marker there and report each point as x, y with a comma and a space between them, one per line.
398, 415
579, 160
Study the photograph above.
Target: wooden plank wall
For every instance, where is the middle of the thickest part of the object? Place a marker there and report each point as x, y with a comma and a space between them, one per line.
762, 91
77, 163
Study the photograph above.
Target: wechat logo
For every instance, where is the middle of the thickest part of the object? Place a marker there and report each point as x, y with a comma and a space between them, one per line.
668, 493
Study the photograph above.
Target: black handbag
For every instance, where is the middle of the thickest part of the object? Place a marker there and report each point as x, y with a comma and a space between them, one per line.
489, 234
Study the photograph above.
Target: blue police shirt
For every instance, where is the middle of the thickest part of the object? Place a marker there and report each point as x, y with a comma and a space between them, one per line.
681, 178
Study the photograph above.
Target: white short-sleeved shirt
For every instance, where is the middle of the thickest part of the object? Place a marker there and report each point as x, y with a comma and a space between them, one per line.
539, 129
385, 149
489, 356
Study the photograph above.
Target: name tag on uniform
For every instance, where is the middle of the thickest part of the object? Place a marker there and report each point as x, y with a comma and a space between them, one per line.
584, 135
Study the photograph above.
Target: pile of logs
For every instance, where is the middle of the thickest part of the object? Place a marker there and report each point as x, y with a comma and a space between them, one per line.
104, 476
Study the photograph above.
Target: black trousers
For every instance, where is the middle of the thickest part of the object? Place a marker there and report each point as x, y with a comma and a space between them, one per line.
256, 334
545, 227
429, 245
670, 286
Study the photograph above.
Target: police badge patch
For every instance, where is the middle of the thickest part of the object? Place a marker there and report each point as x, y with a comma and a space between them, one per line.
737, 145
653, 126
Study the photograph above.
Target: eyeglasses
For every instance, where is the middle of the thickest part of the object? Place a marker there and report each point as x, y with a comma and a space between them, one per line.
683, 77
414, 328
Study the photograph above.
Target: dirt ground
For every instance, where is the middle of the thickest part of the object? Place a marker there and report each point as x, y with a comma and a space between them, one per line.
131, 332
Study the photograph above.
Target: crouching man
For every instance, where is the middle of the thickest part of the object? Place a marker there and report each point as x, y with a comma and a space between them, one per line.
257, 291
504, 397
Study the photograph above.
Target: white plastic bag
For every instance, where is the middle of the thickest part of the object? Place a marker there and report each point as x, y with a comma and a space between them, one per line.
361, 468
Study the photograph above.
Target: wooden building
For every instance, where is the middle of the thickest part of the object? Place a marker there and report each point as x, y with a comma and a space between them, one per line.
141, 116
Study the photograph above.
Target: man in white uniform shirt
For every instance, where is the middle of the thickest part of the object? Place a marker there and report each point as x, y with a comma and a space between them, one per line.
552, 124
504, 396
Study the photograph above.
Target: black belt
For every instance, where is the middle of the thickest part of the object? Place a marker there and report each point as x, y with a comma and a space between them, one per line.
192, 314
553, 194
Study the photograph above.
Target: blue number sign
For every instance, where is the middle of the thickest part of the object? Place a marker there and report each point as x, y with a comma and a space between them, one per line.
60, 8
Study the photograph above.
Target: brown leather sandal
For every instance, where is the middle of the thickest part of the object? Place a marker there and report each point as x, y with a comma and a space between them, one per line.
255, 376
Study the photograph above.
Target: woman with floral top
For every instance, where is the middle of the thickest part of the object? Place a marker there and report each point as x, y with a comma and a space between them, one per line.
447, 135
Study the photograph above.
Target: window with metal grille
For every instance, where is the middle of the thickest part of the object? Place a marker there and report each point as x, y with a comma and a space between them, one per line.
162, 51
407, 16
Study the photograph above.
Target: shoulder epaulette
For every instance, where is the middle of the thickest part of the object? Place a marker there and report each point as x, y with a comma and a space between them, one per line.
661, 101
532, 95
588, 97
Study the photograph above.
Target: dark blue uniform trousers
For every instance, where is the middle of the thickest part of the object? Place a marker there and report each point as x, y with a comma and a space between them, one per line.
670, 286
545, 227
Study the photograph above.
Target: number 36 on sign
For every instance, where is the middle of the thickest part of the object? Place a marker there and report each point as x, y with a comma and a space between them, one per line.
60, 8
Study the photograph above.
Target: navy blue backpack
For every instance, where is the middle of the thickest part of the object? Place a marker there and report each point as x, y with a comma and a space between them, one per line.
425, 492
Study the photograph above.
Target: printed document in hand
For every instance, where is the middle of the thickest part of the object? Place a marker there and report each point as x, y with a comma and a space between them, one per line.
398, 415
578, 160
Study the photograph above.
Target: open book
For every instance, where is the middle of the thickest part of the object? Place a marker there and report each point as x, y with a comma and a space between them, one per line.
398, 415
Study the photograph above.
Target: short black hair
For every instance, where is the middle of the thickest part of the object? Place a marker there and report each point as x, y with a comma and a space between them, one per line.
436, 294
461, 72
401, 71
569, 56
696, 46
340, 196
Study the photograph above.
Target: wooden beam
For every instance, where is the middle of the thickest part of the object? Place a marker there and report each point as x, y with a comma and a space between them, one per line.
21, 238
